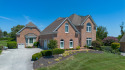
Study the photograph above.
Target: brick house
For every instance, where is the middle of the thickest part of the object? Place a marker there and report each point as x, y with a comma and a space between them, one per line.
70, 32
27, 35
122, 43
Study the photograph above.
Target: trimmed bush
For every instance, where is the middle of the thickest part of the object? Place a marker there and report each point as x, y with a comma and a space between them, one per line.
109, 40
36, 44
86, 46
9, 39
96, 44
29, 47
0, 51
1, 47
36, 56
58, 51
115, 46
47, 53
12, 45
78, 47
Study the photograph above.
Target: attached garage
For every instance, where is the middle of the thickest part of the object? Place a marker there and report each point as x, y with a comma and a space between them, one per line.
21, 46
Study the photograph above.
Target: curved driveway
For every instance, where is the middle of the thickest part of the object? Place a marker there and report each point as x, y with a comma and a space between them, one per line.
17, 59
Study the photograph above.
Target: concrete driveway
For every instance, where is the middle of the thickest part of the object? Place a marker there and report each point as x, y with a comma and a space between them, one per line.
17, 59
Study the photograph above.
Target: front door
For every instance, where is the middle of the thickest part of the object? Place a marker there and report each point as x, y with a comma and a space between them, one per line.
45, 44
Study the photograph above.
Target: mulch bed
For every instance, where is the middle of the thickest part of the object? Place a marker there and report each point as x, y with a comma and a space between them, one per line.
49, 60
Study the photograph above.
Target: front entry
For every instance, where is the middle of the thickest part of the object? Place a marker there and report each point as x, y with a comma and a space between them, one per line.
45, 44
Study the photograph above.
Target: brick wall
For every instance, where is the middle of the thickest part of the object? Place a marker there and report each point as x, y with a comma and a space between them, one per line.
21, 37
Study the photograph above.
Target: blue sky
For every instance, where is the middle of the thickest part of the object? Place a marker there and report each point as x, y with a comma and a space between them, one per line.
108, 13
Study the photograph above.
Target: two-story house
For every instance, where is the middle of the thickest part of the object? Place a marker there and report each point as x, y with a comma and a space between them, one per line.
70, 32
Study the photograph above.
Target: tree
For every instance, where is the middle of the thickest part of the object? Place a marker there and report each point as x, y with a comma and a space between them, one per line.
101, 32
14, 30
52, 44
122, 27
5, 33
0, 33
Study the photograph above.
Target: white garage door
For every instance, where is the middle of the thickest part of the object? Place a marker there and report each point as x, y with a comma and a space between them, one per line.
21, 46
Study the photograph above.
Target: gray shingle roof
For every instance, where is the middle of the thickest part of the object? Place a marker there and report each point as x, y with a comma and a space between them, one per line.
123, 38
75, 19
52, 26
30, 24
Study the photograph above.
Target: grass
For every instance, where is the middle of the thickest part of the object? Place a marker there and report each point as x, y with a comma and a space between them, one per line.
0, 51
90, 61
3, 43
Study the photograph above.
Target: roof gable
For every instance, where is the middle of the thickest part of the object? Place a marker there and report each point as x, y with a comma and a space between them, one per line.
69, 23
123, 38
30, 24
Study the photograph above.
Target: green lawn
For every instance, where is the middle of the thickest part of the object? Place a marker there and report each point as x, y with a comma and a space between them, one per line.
3, 43
90, 61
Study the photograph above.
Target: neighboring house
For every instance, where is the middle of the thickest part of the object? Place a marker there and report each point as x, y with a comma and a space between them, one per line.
70, 32
122, 44
27, 35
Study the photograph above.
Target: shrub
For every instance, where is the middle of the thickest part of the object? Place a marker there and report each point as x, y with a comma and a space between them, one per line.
106, 48
99, 40
57, 59
58, 51
109, 40
96, 45
86, 46
9, 39
36, 56
115, 46
47, 53
52, 44
12, 45
29, 47
36, 44
0, 51
78, 47
1, 47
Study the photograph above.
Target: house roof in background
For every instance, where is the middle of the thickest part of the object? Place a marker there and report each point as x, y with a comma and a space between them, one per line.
30, 24
123, 38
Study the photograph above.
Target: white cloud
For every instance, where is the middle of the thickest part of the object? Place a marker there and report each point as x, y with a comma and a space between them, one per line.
6, 18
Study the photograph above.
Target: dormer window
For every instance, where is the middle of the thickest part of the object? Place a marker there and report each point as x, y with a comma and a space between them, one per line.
88, 27
66, 28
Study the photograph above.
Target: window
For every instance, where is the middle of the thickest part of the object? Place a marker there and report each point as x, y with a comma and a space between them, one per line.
30, 28
31, 40
62, 44
89, 41
66, 28
88, 28
71, 43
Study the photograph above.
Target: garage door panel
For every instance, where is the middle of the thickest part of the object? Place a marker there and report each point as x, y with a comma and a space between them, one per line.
20, 46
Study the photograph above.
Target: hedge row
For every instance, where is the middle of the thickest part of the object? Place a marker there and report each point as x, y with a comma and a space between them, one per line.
36, 56
9, 39
12, 45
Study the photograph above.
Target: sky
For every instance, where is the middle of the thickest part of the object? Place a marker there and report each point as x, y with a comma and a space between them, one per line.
107, 13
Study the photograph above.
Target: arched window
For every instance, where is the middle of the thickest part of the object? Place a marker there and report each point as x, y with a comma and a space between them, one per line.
71, 43
66, 28
62, 44
88, 28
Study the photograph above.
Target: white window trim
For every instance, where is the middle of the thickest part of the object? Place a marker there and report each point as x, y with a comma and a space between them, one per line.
88, 27
68, 27
63, 44
88, 40
69, 44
